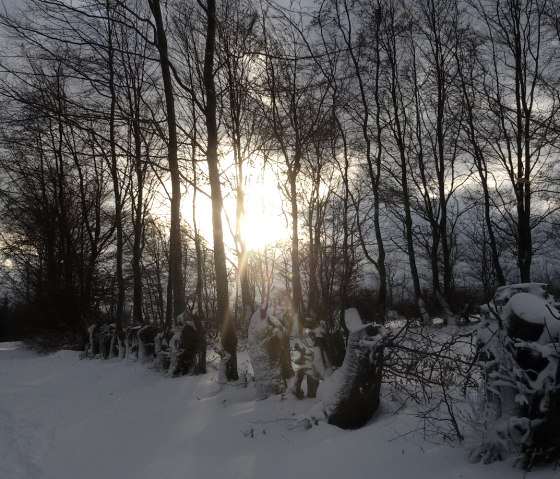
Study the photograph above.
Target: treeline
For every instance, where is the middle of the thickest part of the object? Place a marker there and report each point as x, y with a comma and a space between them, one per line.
415, 144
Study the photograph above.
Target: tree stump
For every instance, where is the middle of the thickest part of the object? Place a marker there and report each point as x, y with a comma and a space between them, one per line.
350, 397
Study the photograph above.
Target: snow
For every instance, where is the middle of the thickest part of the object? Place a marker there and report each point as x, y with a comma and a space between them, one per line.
438, 321
66, 418
353, 320
10, 346
536, 310
503, 293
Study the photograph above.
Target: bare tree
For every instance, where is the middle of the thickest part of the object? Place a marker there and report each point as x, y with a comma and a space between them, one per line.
520, 60
175, 255
395, 40
228, 335
236, 45
293, 109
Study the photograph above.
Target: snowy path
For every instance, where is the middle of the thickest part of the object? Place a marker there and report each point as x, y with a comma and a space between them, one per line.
62, 418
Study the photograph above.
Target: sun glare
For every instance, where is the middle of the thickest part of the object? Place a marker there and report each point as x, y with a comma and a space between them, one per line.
264, 223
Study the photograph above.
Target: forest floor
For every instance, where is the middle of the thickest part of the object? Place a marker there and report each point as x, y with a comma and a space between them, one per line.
66, 418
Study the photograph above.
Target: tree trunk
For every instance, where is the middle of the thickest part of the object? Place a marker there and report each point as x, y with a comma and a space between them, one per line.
350, 397
114, 167
373, 163
228, 336
297, 294
346, 274
481, 166
138, 228
175, 246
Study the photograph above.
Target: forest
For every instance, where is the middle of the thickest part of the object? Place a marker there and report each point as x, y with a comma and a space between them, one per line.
181, 175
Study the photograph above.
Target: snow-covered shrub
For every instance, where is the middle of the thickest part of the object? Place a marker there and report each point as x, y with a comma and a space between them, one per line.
329, 349
187, 346
269, 350
519, 353
146, 343
175, 352
130, 342
91, 349
161, 349
306, 362
101, 341
350, 396
178, 350
313, 359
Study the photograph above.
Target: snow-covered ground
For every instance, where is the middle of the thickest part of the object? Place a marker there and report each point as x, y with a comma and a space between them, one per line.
66, 418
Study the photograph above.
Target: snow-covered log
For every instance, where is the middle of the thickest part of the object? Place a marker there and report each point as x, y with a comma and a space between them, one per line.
519, 355
269, 351
350, 397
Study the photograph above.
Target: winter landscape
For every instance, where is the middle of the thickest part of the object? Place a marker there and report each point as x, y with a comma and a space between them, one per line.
66, 414
279, 238
63, 418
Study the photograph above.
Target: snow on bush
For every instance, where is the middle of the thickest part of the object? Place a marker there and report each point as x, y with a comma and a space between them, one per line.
519, 353
177, 350
269, 350
187, 346
101, 342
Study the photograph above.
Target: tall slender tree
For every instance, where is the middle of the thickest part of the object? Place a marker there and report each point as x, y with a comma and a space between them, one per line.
176, 255
228, 335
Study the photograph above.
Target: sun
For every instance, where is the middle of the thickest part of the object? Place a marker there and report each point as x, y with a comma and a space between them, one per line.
264, 223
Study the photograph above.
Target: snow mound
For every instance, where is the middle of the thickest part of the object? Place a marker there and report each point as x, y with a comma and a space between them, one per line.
535, 310
11, 345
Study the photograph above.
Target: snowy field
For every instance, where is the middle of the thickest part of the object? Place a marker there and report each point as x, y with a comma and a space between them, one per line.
66, 418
